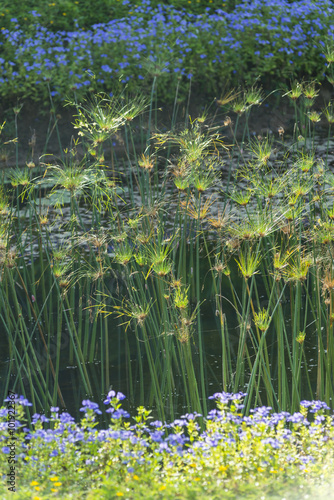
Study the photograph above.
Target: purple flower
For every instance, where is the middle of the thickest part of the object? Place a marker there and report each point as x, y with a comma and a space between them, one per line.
66, 418
156, 423
214, 415
319, 419
106, 68
37, 416
296, 418
116, 414
306, 404
179, 423
111, 395
156, 436
89, 405
262, 411
191, 416
21, 400
164, 447
274, 443
225, 397
319, 405
307, 459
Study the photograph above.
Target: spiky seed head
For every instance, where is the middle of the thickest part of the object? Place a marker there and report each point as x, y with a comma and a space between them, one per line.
300, 337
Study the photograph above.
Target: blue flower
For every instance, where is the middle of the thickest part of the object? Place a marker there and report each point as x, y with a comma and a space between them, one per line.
90, 405
274, 443
156, 423
297, 418
225, 397
66, 418
116, 414
34, 13
112, 394
21, 400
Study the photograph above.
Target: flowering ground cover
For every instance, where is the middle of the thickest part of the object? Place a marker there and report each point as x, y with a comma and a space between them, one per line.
278, 39
224, 455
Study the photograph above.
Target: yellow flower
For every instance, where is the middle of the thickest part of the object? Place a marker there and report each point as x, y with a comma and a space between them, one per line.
135, 477
64, 14
36, 498
54, 490
163, 487
37, 488
260, 469
55, 478
273, 472
33, 483
223, 468
119, 494
197, 478
58, 483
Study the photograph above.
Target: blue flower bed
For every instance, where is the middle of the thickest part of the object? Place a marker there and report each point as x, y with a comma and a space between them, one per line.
276, 39
152, 458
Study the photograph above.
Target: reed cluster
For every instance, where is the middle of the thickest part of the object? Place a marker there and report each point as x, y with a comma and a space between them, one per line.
113, 261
